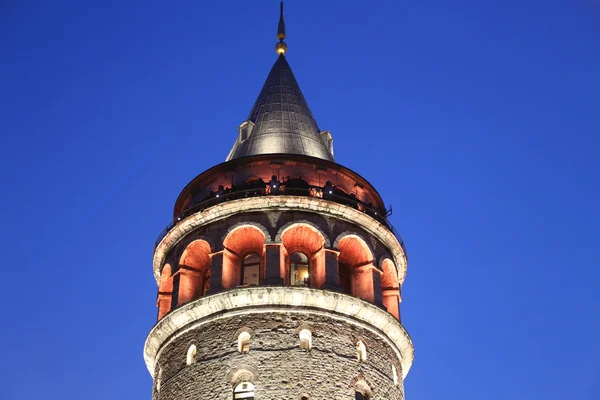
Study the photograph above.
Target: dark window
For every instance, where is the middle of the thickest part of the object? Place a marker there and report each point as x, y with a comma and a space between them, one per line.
244, 133
345, 278
360, 396
251, 270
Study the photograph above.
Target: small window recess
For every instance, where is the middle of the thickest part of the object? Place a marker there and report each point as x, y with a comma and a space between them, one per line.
305, 339
327, 141
245, 130
360, 396
191, 355
361, 351
158, 379
394, 374
244, 390
244, 342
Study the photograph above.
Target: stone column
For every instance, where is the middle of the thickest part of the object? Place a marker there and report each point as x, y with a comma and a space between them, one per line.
273, 265
391, 301
332, 274
216, 273
367, 284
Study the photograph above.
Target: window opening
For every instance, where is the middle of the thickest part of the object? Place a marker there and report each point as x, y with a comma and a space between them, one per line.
361, 351
191, 355
394, 374
158, 379
299, 272
361, 396
345, 276
244, 342
250, 269
244, 390
305, 339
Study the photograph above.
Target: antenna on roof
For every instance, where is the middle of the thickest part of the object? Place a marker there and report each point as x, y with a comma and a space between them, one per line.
281, 47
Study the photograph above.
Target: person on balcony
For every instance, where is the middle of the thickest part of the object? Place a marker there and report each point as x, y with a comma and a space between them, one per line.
274, 185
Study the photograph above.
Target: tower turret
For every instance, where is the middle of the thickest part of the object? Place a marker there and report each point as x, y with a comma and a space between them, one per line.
280, 274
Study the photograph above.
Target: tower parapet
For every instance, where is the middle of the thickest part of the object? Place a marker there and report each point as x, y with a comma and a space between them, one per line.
280, 275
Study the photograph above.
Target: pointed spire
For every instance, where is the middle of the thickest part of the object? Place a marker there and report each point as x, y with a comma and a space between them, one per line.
281, 47
280, 121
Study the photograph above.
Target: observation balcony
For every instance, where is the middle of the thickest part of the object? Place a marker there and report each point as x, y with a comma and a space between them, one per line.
273, 175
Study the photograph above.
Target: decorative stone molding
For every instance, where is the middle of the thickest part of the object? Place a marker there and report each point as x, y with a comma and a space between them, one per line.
281, 203
289, 299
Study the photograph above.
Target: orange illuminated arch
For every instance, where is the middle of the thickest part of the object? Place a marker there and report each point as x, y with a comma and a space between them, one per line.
303, 240
194, 271
245, 240
390, 288
165, 291
356, 259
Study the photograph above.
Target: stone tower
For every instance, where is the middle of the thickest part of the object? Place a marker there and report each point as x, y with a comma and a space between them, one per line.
280, 275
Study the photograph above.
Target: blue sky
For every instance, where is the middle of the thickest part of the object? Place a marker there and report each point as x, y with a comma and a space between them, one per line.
478, 121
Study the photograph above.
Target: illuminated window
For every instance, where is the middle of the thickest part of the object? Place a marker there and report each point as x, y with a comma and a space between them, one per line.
305, 339
250, 269
361, 351
191, 355
244, 342
394, 374
299, 272
244, 390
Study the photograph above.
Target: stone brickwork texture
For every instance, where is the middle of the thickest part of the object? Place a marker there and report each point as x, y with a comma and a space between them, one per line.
330, 370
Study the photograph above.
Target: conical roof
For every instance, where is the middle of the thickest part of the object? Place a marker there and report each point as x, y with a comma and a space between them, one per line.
283, 123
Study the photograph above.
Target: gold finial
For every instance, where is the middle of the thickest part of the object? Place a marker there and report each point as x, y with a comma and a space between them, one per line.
281, 47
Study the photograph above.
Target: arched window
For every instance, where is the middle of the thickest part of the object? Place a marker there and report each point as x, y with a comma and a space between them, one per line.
158, 379
360, 396
305, 339
250, 269
363, 391
244, 390
345, 275
194, 263
299, 271
191, 355
394, 374
361, 351
244, 342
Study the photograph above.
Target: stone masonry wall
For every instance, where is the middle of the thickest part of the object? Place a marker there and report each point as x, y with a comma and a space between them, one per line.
283, 371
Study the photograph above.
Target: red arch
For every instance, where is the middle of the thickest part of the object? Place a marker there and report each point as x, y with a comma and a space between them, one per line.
165, 291
390, 288
194, 267
240, 242
308, 240
355, 253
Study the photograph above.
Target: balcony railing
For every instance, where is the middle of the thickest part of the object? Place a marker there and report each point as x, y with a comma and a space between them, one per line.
308, 191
